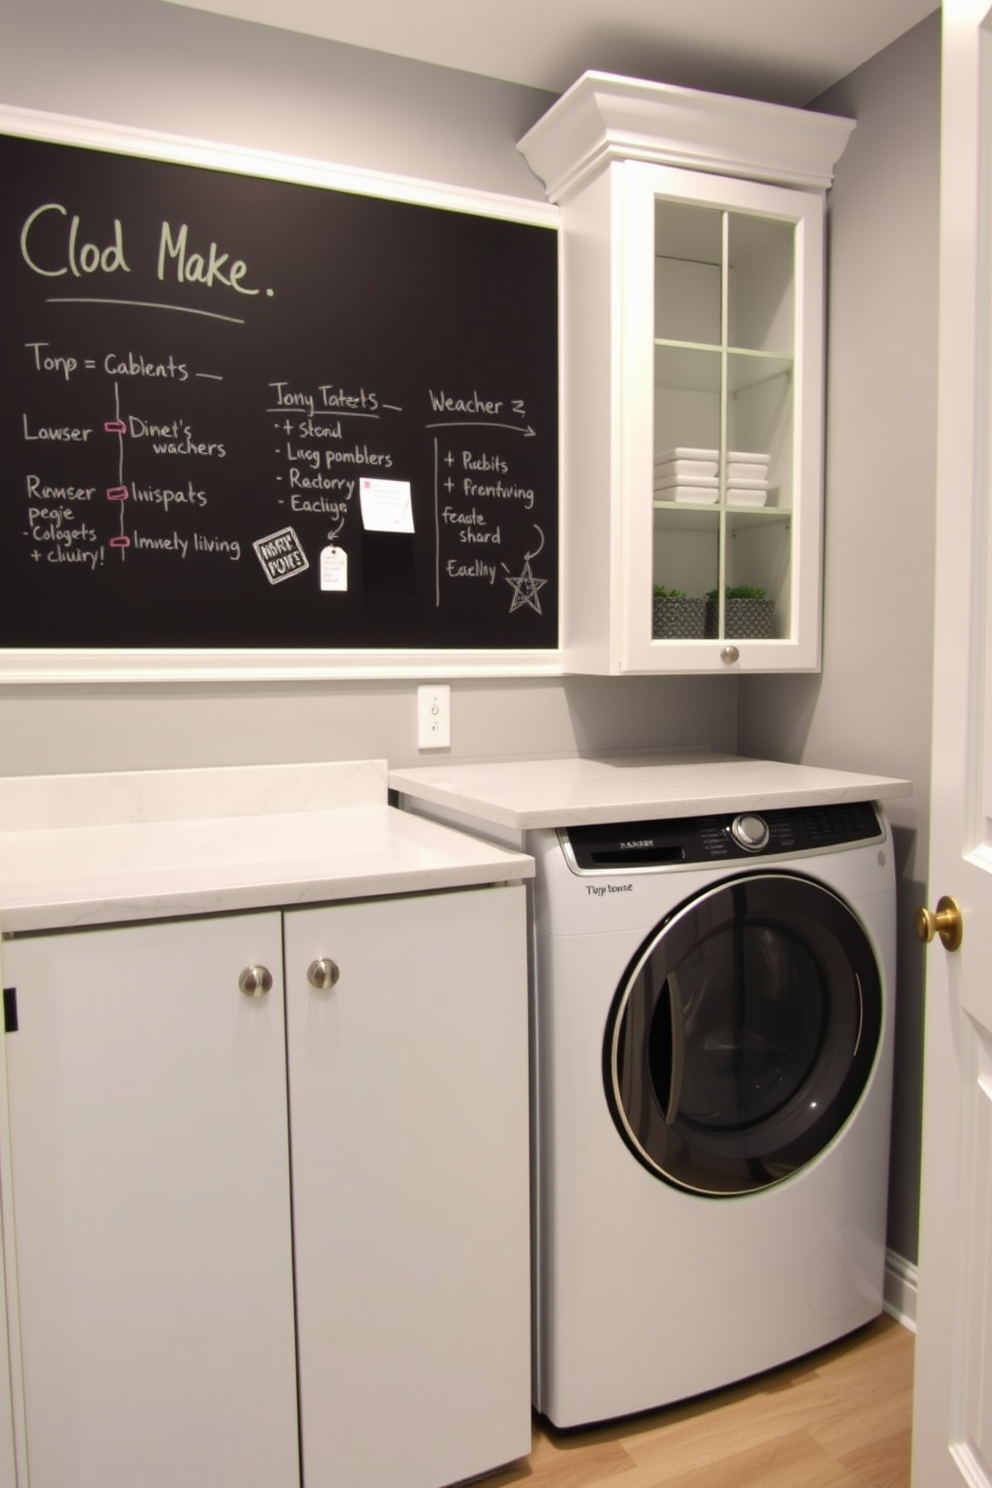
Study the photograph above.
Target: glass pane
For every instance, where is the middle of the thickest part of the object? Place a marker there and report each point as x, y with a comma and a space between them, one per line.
761, 284
759, 431
686, 561
688, 253
686, 406
758, 573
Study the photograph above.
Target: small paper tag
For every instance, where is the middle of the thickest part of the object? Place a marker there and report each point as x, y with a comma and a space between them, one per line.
333, 568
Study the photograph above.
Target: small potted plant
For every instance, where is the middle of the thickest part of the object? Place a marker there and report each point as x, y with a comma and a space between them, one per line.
748, 613
676, 616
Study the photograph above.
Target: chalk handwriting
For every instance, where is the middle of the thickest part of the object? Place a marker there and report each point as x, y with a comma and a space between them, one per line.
441, 402
77, 258
55, 433
69, 249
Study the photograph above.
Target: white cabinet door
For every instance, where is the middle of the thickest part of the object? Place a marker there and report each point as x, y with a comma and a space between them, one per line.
149, 1179
408, 1106
720, 442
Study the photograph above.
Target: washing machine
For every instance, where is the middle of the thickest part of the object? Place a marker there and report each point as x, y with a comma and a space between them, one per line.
714, 1019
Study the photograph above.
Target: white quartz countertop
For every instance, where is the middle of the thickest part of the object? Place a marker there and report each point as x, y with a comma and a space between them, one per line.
631, 787
90, 850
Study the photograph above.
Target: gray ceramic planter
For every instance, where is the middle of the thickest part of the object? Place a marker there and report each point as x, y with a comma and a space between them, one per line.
746, 619
678, 619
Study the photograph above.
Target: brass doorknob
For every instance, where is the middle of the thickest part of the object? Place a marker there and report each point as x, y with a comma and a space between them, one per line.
323, 974
255, 981
946, 922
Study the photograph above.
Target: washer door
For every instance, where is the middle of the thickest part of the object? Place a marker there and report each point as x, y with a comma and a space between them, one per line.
743, 1034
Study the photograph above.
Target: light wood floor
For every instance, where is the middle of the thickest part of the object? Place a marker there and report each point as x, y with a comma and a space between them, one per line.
839, 1418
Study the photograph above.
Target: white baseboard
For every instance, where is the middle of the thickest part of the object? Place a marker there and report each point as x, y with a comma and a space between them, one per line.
900, 1289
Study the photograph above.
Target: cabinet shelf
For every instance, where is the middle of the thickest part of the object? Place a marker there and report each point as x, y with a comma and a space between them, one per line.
692, 513
690, 366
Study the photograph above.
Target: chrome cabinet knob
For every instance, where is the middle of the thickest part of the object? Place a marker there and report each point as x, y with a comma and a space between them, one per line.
729, 655
255, 981
323, 974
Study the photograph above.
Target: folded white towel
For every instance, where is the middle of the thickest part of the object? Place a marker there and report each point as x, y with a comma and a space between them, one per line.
707, 482
684, 453
687, 470
741, 470
753, 495
699, 495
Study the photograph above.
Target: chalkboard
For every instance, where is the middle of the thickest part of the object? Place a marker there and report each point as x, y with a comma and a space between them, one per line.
244, 412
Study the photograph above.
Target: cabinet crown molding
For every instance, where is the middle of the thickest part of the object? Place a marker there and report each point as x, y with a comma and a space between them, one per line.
603, 117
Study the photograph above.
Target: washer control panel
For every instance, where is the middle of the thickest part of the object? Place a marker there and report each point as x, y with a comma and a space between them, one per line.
710, 839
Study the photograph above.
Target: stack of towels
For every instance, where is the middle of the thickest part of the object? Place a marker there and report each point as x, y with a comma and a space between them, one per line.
687, 475
747, 479
684, 474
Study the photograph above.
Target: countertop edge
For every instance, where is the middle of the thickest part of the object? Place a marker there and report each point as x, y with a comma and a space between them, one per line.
402, 854
484, 808
247, 899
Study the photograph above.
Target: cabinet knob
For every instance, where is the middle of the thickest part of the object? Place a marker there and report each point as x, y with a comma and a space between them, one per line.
729, 655
255, 981
323, 974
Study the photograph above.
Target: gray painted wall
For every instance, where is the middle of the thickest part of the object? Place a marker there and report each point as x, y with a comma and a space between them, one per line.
159, 66
870, 707
141, 63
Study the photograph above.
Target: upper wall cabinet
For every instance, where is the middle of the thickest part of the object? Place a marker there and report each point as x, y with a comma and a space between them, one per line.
693, 284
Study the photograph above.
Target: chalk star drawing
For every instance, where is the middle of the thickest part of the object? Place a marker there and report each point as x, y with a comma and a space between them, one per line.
525, 586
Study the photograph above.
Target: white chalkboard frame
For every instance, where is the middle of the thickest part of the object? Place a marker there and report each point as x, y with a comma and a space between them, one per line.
61, 666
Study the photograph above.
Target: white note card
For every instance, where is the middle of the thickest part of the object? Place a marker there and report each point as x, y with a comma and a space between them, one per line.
333, 568
386, 505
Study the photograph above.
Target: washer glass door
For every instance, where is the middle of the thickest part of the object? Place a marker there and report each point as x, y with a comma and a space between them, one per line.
743, 1034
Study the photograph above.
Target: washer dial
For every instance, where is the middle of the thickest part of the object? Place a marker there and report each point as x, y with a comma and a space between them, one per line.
749, 832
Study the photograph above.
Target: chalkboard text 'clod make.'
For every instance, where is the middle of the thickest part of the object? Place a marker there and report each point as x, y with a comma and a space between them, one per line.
74, 254
247, 413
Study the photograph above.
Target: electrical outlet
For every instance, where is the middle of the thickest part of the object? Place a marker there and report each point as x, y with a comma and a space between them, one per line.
434, 717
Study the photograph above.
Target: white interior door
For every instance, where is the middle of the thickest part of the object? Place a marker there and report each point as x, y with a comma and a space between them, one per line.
953, 1411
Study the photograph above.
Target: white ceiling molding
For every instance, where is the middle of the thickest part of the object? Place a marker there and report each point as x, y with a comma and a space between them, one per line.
603, 118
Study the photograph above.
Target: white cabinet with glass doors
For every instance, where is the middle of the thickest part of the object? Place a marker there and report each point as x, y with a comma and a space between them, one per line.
692, 375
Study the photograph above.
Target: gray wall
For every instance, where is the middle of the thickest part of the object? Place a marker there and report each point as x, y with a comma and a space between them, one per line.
156, 66
870, 707
137, 62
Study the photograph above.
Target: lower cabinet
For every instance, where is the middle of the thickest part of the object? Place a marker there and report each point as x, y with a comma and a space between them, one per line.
255, 1236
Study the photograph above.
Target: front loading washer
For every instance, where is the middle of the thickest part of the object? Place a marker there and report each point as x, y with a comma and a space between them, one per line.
713, 1083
